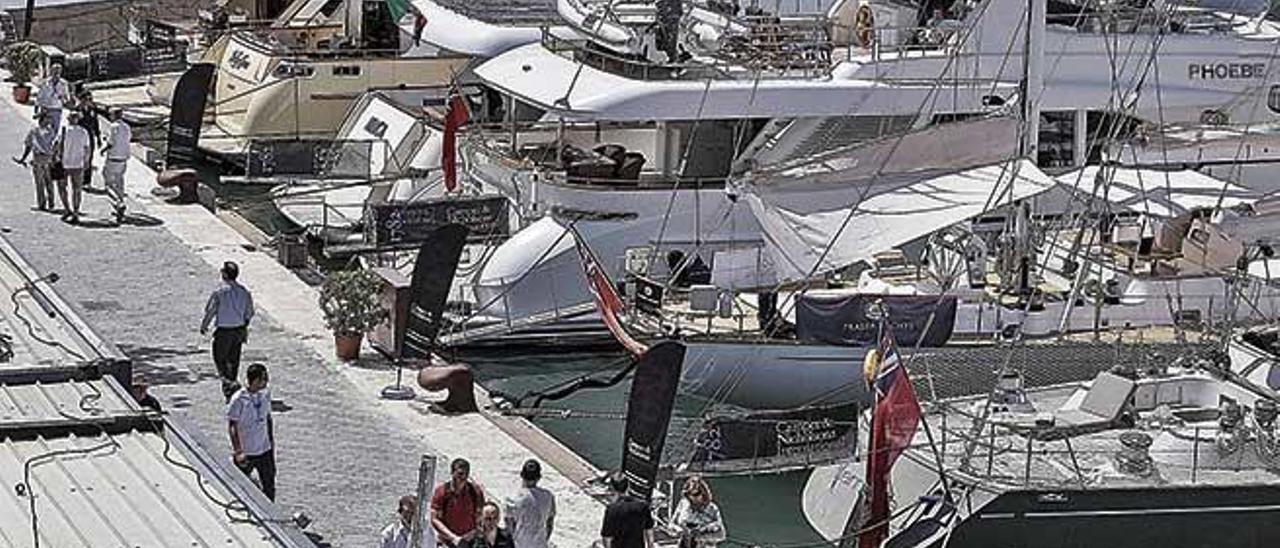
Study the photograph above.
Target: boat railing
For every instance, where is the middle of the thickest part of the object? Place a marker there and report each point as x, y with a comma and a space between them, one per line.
982, 452
770, 51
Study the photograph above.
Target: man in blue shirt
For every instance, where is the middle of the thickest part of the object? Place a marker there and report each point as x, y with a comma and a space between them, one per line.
230, 308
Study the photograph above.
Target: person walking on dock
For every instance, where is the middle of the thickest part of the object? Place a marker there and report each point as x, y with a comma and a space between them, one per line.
230, 308
398, 533
116, 154
488, 534
252, 434
628, 521
76, 148
455, 503
54, 95
39, 146
531, 513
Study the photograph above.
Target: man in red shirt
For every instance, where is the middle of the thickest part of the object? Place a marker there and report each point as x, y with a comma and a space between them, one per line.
455, 504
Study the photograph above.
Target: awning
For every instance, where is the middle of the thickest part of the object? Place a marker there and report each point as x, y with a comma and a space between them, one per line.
801, 223
1156, 192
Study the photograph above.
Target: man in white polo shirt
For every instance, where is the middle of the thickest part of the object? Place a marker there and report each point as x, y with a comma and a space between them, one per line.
116, 154
252, 436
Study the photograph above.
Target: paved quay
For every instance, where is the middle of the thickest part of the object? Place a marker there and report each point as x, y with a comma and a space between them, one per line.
344, 455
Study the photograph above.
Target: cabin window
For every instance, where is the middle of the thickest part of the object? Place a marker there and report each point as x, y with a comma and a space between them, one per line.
292, 70
376, 127
1200, 236
346, 71
1273, 99
1273, 377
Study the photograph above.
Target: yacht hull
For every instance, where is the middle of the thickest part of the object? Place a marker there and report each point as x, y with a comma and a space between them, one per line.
1174, 517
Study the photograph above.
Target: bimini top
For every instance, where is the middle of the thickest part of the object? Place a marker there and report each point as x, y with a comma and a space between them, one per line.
1160, 193
553, 82
481, 27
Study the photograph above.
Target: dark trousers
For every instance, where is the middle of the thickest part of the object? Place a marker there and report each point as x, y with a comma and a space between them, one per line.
265, 464
226, 356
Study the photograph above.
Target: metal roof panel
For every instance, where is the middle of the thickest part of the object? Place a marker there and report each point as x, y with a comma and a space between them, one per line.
119, 490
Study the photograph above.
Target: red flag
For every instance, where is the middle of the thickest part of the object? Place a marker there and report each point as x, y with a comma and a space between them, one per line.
608, 303
457, 116
894, 418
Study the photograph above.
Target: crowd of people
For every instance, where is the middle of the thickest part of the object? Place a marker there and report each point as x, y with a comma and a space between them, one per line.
61, 155
461, 517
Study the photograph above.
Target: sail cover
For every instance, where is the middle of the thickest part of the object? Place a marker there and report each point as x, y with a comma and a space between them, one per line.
801, 221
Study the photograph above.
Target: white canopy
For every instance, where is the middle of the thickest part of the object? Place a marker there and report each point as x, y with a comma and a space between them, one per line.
1159, 193
556, 83
458, 33
801, 221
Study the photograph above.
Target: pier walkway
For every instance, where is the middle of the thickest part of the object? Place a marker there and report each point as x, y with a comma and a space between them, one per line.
344, 455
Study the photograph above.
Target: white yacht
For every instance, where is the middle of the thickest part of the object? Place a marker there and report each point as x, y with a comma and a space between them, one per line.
298, 78
631, 147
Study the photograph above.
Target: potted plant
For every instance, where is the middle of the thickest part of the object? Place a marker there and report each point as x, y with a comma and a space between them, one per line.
24, 60
351, 305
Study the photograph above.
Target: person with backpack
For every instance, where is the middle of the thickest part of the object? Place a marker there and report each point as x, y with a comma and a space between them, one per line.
455, 505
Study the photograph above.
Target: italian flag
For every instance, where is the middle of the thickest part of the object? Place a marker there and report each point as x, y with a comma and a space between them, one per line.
398, 8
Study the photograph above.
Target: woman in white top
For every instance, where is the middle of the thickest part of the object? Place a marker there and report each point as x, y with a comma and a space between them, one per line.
698, 517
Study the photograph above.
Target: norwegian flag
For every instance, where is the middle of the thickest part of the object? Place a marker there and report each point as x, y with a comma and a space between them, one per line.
608, 303
894, 419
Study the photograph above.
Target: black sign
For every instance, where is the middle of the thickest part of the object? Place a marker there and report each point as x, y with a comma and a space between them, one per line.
433, 273
395, 223
318, 158
648, 295
187, 115
776, 439
855, 320
653, 393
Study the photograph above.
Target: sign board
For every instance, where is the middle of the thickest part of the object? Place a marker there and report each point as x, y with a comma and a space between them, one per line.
653, 394
855, 320
187, 116
399, 223
319, 158
776, 440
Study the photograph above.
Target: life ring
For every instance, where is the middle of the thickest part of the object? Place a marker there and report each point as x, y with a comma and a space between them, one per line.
864, 24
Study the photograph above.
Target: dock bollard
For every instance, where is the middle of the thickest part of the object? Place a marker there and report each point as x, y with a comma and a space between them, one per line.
455, 378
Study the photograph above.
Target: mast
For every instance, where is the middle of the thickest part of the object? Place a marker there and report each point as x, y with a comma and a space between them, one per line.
1033, 77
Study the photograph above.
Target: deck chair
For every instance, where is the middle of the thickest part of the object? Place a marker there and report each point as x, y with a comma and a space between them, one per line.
1100, 410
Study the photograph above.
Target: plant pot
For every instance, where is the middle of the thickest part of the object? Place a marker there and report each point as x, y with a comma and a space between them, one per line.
22, 93
347, 345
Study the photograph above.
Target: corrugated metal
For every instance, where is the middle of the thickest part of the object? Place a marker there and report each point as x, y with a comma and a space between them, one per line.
122, 494
27, 403
20, 285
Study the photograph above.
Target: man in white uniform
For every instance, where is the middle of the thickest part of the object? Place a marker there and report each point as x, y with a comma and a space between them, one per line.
54, 95
116, 152
252, 436
76, 147
531, 513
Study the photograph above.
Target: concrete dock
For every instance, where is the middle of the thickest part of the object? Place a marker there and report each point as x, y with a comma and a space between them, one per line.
344, 455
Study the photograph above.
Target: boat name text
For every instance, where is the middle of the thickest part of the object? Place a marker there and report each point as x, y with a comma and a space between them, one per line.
1226, 71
